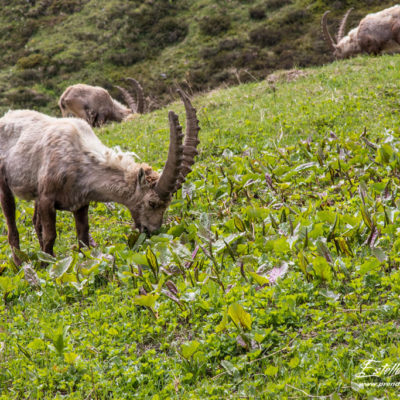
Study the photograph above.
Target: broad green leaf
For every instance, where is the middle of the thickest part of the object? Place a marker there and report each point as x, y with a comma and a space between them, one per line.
294, 362
240, 226
79, 285
139, 241
240, 316
189, 348
368, 266
303, 263
60, 267
261, 280
70, 358
379, 254
138, 259
384, 154
132, 238
147, 300
21, 255
152, 261
230, 368
67, 278
222, 325
322, 269
305, 166
341, 241
366, 217
60, 339
271, 370
8, 283
281, 245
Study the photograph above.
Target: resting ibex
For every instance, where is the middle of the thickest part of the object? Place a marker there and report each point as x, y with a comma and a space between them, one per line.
376, 33
95, 105
62, 165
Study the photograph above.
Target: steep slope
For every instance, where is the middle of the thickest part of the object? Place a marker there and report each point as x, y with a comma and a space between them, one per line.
46, 45
276, 273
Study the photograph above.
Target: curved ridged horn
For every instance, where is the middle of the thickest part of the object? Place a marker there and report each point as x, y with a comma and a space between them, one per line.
327, 35
167, 181
128, 98
139, 94
343, 25
191, 139
180, 157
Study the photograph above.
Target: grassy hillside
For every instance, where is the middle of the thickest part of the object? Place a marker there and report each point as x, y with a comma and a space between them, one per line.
47, 45
281, 254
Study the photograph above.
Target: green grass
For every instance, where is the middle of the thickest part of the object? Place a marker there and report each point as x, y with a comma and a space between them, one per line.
284, 181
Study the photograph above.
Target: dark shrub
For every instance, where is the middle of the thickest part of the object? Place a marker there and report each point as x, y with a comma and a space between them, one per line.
125, 58
257, 13
31, 61
208, 52
70, 63
297, 17
247, 58
223, 60
198, 77
65, 6
26, 97
275, 4
265, 36
229, 44
214, 25
29, 75
168, 31
287, 59
220, 77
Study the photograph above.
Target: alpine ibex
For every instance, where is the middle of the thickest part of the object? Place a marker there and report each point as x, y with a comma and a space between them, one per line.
95, 105
376, 33
62, 165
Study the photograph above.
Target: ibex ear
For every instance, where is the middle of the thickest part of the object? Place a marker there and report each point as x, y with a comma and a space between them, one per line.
142, 178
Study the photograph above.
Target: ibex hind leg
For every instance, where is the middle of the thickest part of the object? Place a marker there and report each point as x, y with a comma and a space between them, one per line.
8, 206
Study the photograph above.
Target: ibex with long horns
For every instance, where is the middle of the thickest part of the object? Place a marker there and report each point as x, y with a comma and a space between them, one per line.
95, 105
376, 33
62, 165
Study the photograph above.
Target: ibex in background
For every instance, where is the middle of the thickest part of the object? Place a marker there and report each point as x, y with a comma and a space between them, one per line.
62, 165
95, 105
376, 33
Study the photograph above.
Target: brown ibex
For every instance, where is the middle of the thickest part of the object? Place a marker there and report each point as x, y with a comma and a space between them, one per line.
62, 165
376, 33
95, 105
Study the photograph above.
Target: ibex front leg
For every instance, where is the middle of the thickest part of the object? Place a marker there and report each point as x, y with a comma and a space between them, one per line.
82, 226
8, 206
47, 220
38, 225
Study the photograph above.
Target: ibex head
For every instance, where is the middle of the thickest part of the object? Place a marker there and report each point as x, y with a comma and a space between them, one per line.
345, 46
154, 192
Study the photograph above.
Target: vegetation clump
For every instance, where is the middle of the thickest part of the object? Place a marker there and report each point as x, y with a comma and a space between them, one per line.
257, 13
214, 25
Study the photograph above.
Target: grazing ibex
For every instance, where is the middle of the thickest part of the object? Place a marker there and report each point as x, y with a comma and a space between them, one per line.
62, 165
95, 105
376, 33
